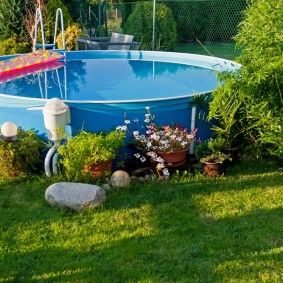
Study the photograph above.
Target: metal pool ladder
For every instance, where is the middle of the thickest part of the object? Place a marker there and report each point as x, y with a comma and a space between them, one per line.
43, 45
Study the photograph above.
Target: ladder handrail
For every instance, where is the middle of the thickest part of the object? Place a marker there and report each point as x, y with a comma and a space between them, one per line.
59, 11
38, 14
38, 18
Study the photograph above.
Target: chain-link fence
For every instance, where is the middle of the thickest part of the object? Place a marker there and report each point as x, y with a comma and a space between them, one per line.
202, 26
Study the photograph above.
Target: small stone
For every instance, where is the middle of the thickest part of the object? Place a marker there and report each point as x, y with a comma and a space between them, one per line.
120, 178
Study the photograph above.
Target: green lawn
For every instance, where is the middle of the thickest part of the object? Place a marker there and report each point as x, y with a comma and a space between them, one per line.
188, 229
222, 50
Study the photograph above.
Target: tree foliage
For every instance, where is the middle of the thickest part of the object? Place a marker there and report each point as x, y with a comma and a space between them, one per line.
139, 24
257, 86
11, 18
49, 23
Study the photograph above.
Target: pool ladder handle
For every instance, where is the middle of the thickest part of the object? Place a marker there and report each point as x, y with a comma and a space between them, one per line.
38, 17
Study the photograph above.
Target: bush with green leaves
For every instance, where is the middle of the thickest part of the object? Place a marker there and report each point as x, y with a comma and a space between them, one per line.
13, 46
248, 105
72, 32
139, 24
88, 148
21, 157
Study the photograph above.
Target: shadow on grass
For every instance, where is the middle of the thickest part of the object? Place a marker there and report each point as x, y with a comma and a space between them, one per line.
196, 251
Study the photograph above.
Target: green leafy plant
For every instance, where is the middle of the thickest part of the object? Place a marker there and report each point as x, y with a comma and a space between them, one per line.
216, 157
139, 23
21, 157
13, 45
88, 148
247, 106
71, 33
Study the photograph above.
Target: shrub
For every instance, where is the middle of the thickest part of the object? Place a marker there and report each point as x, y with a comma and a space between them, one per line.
22, 156
256, 88
139, 24
87, 148
71, 33
12, 46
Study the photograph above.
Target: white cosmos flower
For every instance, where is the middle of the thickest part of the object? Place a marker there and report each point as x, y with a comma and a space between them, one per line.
127, 122
160, 160
124, 128
166, 172
184, 143
142, 159
135, 133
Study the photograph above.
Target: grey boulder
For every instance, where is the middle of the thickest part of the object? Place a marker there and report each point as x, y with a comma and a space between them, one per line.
76, 196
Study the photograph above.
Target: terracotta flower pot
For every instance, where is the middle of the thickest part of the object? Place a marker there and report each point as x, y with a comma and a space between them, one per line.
99, 169
174, 159
213, 169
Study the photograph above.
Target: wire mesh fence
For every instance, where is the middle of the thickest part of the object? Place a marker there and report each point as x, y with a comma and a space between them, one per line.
201, 26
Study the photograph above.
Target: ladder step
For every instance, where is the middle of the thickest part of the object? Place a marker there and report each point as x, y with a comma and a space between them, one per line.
46, 45
59, 50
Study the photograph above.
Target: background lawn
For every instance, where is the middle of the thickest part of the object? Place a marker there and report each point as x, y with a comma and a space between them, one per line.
188, 229
222, 50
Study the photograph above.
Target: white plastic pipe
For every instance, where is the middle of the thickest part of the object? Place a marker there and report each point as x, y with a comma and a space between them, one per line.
54, 162
48, 157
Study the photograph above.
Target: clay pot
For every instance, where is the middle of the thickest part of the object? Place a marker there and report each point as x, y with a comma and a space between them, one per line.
213, 169
174, 159
99, 169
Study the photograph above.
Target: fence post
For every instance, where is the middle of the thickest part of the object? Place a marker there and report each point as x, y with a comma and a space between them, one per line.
153, 25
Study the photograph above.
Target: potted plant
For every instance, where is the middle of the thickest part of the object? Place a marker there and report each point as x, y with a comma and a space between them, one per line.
167, 146
89, 155
220, 144
214, 163
22, 156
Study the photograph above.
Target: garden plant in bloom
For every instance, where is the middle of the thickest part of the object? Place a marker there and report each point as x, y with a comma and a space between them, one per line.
153, 139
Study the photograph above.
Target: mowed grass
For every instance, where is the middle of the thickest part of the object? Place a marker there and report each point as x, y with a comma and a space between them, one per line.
188, 229
222, 50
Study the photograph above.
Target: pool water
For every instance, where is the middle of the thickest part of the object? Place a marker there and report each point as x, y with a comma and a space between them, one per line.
114, 80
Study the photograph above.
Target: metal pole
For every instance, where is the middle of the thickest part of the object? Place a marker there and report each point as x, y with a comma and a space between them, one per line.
193, 125
99, 18
153, 24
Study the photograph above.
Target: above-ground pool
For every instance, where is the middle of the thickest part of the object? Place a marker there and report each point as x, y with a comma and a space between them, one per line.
103, 87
